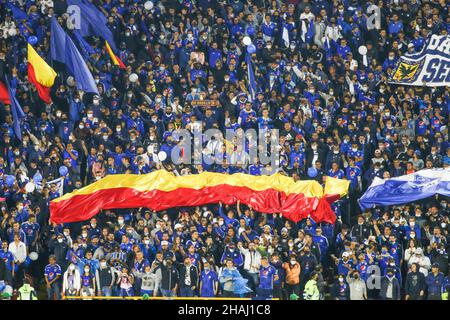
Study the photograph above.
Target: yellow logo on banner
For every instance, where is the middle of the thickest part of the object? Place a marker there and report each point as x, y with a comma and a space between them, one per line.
405, 72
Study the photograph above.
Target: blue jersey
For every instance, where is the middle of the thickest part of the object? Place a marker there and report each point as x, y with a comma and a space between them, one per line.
352, 174
338, 174
87, 280
267, 277
52, 271
342, 269
208, 279
31, 231
8, 258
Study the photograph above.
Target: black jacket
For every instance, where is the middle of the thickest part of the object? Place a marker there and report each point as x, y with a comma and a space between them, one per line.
193, 275
169, 277
415, 282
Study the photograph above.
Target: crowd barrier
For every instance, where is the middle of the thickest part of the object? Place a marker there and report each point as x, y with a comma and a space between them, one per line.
152, 298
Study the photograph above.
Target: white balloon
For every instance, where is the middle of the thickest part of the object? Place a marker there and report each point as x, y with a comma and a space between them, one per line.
162, 156
33, 256
362, 50
70, 81
12, 32
133, 77
29, 187
148, 5
247, 40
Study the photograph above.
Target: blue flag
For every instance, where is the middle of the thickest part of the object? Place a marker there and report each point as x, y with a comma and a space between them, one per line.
310, 32
74, 111
407, 188
93, 22
63, 49
251, 77
86, 49
18, 14
16, 111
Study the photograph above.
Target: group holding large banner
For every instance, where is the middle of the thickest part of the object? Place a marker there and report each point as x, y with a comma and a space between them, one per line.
430, 67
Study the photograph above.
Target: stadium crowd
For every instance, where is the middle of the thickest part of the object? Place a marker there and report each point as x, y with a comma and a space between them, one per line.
334, 112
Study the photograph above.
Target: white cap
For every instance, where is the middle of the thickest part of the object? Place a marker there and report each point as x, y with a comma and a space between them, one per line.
178, 225
164, 243
345, 254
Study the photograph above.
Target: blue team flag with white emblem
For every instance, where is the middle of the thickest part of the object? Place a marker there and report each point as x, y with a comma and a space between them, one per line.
407, 188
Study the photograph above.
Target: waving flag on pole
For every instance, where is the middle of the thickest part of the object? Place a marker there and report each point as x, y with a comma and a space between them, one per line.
93, 22
16, 111
18, 14
251, 77
86, 49
407, 188
64, 50
115, 59
40, 74
285, 36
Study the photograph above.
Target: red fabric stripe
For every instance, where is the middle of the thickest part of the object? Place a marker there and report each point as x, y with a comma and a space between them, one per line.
82, 207
4, 95
121, 64
44, 92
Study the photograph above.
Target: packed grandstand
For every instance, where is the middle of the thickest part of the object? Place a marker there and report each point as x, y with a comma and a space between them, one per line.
131, 138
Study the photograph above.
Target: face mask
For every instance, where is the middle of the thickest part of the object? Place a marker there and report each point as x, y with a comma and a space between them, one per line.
291, 244
207, 269
147, 242
118, 129
16, 153
412, 235
220, 223
396, 225
341, 279
411, 224
60, 240
102, 264
84, 235
293, 262
231, 250
354, 149
81, 126
105, 138
86, 269
120, 222
165, 218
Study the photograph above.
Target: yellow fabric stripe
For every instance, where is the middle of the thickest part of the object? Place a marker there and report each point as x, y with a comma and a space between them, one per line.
165, 181
44, 74
111, 54
336, 186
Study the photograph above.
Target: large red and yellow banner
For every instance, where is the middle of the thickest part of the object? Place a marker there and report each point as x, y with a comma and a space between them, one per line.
161, 190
